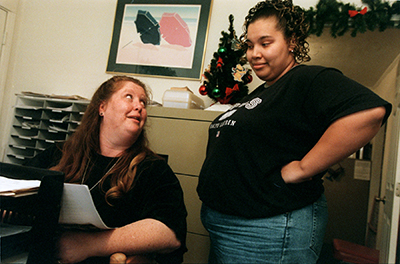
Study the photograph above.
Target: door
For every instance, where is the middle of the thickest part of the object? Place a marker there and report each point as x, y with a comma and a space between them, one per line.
391, 207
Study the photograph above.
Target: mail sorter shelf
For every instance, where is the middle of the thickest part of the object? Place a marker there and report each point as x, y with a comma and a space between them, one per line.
39, 122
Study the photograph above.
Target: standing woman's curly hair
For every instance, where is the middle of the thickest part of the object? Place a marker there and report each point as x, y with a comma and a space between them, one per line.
85, 141
291, 21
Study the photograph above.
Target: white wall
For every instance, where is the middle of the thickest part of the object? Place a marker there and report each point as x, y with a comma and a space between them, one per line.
11, 5
61, 47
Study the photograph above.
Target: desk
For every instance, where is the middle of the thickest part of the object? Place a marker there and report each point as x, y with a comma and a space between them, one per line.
41, 211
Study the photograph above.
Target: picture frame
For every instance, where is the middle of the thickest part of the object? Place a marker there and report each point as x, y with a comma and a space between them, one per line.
160, 38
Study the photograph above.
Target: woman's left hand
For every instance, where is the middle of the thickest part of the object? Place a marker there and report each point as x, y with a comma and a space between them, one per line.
292, 173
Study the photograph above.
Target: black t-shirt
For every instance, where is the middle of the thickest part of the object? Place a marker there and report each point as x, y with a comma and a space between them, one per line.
156, 194
250, 143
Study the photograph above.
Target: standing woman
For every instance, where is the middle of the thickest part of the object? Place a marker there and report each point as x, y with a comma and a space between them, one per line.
260, 183
133, 189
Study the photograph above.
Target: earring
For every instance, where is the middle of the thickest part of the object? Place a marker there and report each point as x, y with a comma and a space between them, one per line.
101, 114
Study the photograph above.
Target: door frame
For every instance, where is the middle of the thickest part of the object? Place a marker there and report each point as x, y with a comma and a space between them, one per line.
388, 225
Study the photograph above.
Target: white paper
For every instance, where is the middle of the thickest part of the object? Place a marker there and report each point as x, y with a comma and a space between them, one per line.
362, 170
77, 207
9, 185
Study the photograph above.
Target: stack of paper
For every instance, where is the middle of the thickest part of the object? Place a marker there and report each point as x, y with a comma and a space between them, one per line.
17, 187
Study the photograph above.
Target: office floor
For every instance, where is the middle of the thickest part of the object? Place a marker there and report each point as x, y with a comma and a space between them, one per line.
326, 256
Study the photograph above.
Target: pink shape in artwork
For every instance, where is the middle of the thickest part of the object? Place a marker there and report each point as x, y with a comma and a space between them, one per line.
174, 30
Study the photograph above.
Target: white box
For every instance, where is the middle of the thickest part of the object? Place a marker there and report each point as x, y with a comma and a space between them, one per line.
182, 99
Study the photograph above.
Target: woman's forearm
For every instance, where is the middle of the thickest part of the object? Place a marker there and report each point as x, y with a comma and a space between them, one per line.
344, 137
141, 237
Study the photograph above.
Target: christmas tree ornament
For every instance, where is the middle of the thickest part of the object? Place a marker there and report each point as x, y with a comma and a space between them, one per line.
238, 72
222, 50
247, 78
236, 45
203, 90
216, 92
229, 91
220, 63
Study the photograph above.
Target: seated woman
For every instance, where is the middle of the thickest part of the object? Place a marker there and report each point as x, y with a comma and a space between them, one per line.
133, 189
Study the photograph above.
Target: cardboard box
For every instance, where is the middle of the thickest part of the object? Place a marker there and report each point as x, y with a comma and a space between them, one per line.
182, 99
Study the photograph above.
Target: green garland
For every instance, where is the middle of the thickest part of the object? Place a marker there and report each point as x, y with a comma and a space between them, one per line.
343, 17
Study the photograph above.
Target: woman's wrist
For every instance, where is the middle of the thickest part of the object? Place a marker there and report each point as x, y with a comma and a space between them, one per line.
294, 173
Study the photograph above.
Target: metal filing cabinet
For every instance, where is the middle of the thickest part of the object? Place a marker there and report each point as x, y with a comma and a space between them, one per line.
182, 135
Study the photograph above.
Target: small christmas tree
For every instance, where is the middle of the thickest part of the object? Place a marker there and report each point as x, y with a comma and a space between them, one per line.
226, 77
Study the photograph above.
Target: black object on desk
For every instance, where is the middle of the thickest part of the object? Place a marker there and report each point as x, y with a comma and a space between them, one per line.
43, 206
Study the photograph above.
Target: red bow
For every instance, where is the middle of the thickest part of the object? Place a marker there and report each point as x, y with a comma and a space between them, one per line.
228, 94
220, 62
353, 13
228, 90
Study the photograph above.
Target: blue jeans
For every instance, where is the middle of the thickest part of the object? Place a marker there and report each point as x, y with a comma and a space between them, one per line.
294, 237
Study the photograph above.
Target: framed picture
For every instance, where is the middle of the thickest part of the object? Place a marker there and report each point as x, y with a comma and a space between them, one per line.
160, 38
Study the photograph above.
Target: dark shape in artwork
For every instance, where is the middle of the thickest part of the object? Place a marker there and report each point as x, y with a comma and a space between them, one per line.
147, 27
175, 30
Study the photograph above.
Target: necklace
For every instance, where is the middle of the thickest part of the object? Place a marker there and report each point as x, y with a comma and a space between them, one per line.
86, 168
